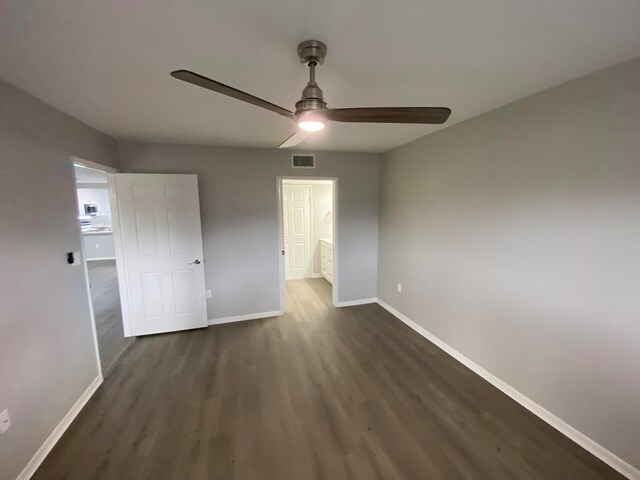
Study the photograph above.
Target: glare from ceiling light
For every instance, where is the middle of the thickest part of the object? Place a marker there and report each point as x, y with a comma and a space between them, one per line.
311, 120
311, 125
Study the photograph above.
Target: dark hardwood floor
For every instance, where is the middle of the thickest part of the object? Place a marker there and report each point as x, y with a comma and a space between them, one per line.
319, 393
105, 298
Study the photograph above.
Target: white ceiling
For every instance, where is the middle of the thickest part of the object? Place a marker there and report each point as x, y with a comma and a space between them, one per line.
107, 62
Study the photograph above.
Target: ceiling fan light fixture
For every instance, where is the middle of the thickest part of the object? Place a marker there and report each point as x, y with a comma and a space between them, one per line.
311, 125
311, 121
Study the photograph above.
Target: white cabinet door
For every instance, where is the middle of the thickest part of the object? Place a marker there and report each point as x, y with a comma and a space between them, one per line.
326, 260
296, 217
159, 218
99, 247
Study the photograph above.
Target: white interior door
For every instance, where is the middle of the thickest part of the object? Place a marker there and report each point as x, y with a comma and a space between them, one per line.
159, 219
296, 218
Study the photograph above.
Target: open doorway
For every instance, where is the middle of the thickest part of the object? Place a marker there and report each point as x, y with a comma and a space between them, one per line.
308, 243
99, 258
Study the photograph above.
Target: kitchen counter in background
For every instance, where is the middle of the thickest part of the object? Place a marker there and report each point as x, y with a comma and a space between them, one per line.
97, 232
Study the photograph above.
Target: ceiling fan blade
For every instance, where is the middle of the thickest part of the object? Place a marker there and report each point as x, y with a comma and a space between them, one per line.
200, 81
434, 115
294, 139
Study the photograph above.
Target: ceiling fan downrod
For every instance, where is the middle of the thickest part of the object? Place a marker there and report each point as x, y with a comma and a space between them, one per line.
311, 53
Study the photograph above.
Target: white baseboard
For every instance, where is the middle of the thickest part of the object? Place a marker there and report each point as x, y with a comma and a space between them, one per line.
100, 258
353, 303
242, 318
563, 427
316, 275
53, 438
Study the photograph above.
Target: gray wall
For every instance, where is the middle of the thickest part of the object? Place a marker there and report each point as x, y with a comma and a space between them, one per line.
47, 355
516, 237
239, 217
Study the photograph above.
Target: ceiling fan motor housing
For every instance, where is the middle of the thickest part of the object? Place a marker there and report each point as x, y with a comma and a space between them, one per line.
311, 99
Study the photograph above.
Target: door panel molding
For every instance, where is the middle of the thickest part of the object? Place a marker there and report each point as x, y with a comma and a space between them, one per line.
159, 236
296, 212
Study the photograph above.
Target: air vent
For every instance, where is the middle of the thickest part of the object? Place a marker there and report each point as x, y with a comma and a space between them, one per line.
304, 161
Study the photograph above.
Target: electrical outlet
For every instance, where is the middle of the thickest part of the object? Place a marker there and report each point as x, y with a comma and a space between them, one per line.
399, 288
5, 421
208, 293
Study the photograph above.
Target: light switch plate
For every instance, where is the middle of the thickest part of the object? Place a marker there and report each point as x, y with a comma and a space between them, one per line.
399, 288
5, 421
73, 258
208, 293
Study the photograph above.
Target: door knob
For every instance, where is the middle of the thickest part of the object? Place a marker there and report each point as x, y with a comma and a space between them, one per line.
196, 262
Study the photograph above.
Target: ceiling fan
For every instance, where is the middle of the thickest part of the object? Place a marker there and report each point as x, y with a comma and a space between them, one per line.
311, 112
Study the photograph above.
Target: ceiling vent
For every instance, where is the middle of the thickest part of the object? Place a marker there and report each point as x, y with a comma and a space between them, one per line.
303, 161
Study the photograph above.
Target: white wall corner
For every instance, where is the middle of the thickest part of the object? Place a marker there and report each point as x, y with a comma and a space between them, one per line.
57, 432
580, 438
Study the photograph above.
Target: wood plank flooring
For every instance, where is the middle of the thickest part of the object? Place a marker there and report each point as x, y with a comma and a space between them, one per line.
319, 393
105, 298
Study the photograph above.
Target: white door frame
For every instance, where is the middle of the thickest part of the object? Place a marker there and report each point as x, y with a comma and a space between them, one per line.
279, 179
123, 279
109, 171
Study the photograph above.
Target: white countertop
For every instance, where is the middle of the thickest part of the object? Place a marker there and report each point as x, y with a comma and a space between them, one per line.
98, 232
327, 240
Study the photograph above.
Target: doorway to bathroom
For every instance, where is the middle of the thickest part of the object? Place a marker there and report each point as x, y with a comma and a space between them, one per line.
308, 235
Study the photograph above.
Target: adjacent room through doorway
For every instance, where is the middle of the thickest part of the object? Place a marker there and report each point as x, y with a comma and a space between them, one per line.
94, 215
308, 234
